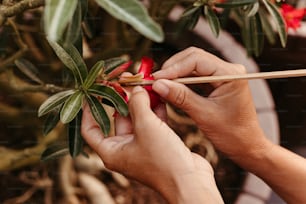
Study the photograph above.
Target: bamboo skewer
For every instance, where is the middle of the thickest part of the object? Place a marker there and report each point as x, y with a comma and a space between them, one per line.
224, 78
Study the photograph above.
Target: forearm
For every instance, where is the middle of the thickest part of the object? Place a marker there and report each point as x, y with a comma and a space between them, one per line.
283, 170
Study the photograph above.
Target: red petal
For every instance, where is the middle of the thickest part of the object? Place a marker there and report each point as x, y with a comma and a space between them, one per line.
146, 67
116, 72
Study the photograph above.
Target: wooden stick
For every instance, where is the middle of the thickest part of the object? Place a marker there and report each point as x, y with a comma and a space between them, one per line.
225, 78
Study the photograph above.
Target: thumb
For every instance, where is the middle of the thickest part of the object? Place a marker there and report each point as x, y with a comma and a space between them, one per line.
139, 105
181, 96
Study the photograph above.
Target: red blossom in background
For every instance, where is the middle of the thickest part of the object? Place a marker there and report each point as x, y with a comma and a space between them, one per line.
292, 16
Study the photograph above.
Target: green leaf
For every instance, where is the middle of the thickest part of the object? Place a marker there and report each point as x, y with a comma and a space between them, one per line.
94, 72
51, 121
54, 152
189, 21
212, 20
280, 23
253, 9
75, 137
246, 35
84, 8
190, 11
111, 95
72, 59
267, 27
99, 114
53, 102
235, 3
74, 27
77, 58
57, 15
259, 35
71, 107
135, 14
113, 63
28, 69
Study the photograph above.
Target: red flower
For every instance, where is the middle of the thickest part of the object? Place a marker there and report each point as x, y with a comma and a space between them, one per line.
292, 16
145, 72
145, 69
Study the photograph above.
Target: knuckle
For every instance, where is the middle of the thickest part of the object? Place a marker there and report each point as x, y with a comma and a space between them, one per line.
240, 69
181, 97
193, 49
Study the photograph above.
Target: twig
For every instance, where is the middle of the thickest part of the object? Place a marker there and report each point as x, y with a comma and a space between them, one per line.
224, 78
51, 88
7, 11
13, 159
19, 53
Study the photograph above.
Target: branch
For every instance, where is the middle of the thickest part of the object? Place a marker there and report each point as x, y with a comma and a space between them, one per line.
9, 11
49, 88
19, 53
13, 159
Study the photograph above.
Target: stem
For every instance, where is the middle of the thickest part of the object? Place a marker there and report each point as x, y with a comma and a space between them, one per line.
7, 11
13, 159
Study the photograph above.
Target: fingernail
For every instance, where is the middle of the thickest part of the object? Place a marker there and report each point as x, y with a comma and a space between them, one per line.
137, 89
161, 88
155, 74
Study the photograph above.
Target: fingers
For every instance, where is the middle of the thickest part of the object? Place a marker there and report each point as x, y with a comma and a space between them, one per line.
139, 104
181, 96
196, 61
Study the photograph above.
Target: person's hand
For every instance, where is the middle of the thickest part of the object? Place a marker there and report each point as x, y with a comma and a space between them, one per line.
146, 149
227, 115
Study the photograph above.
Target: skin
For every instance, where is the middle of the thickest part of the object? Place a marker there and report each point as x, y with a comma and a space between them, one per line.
141, 150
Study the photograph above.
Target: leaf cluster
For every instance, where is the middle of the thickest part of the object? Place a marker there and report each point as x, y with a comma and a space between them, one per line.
253, 17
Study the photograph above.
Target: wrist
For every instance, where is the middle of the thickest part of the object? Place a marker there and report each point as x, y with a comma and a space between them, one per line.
257, 150
194, 186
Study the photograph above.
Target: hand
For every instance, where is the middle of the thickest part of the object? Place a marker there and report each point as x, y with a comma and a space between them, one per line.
227, 116
146, 149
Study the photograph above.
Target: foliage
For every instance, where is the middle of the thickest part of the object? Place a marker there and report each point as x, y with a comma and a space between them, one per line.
70, 25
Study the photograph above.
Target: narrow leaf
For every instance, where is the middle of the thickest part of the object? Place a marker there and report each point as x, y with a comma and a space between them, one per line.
246, 36
71, 107
259, 35
111, 95
57, 15
99, 114
212, 20
54, 101
255, 35
267, 27
94, 72
84, 8
190, 21
51, 121
54, 152
77, 58
72, 59
253, 9
74, 134
235, 3
74, 27
135, 14
280, 23
190, 11
113, 63
27, 68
